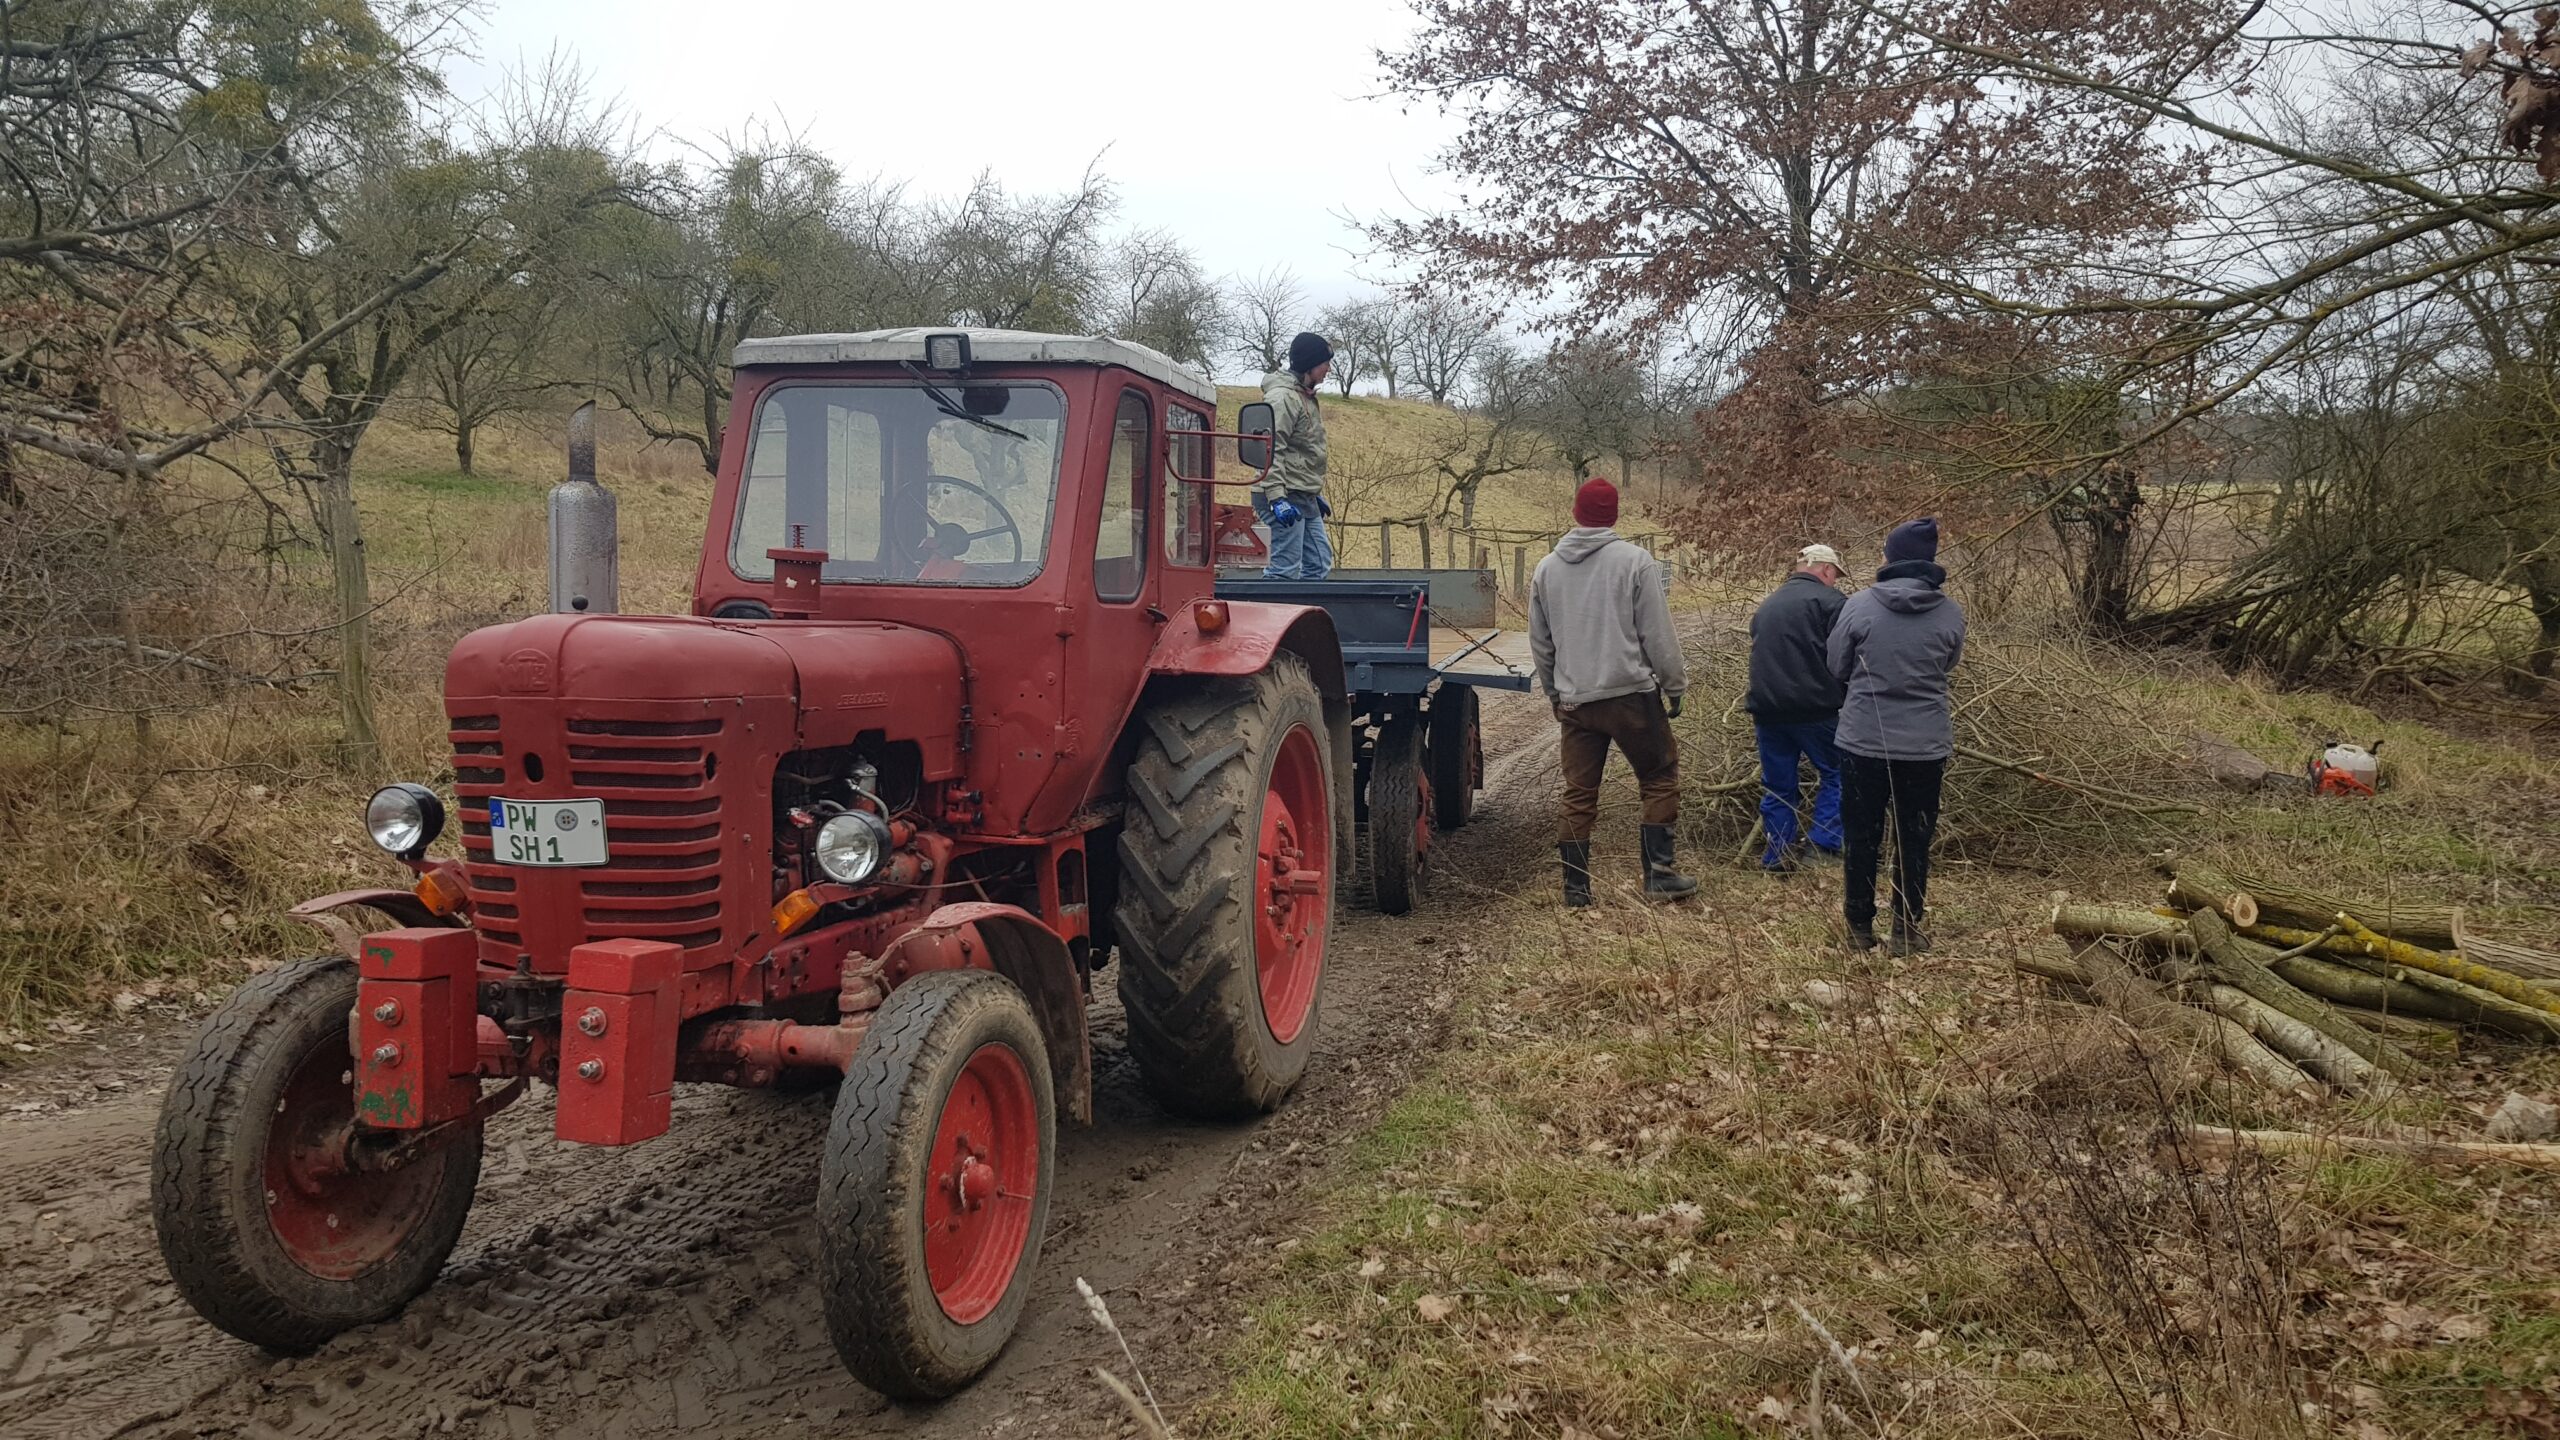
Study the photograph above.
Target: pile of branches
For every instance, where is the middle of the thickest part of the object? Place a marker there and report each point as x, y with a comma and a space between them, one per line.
2055, 757
2299, 989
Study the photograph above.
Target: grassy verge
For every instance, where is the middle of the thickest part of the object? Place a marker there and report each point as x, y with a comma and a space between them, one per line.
1699, 1173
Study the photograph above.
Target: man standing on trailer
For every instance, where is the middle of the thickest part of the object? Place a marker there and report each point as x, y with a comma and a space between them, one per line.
1794, 701
1290, 499
1600, 629
1893, 648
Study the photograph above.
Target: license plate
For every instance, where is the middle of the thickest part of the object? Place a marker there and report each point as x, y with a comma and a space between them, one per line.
547, 832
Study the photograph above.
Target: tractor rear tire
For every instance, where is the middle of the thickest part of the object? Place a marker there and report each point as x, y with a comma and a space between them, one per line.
934, 1188
1453, 747
263, 1237
1227, 868
1400, 810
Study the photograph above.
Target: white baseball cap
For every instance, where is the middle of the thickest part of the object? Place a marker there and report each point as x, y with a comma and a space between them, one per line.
1819, 554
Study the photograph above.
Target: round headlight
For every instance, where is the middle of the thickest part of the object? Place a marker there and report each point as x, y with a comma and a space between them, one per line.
404, 819
851, 846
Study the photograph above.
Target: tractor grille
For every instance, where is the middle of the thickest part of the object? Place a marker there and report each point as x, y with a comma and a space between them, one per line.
663, 796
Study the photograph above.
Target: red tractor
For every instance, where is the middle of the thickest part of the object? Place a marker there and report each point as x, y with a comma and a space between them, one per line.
957, 716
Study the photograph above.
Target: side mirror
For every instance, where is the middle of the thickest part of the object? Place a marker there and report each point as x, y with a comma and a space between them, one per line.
1255, 420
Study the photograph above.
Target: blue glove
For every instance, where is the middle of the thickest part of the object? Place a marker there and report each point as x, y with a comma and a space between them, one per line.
1283, 514
1324, 507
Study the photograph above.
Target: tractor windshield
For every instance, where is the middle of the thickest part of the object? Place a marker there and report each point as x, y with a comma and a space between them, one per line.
897, 489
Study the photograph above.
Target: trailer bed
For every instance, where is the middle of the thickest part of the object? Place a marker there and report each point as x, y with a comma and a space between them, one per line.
1390, 645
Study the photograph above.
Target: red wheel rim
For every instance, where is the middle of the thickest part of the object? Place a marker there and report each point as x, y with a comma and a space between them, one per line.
980, 1180
1293, 861
332, 1221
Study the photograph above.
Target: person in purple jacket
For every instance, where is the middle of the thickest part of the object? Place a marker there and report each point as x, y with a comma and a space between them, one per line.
1892, 649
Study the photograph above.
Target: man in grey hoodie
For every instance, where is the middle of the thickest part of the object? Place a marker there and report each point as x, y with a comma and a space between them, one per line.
1600, 629
1893, 648
1290, 499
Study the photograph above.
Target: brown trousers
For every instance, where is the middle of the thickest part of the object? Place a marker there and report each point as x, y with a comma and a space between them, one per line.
1642, 732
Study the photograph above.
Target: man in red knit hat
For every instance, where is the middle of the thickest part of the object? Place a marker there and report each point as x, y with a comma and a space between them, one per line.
1600, 627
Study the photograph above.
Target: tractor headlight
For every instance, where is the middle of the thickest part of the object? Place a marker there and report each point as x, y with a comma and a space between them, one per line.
404, 819
851, 846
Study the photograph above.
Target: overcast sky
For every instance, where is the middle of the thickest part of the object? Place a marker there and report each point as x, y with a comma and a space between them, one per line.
1247, 129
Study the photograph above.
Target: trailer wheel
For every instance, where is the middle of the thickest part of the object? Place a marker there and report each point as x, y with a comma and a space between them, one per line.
1454, 748
1227, 869
1400, 812
934, 1187
266, 1232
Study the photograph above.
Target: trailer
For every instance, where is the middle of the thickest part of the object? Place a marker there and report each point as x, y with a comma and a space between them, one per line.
1418, 734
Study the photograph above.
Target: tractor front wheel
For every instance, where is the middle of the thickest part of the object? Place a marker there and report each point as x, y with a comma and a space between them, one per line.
934, 1188
268, 1231
1226, 890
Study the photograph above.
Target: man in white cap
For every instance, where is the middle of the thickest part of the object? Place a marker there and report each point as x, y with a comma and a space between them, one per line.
1794, 702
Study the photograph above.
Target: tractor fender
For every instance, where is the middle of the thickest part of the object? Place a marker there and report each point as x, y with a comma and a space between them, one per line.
1010, 941
406, 910
1244, 646
1254, 632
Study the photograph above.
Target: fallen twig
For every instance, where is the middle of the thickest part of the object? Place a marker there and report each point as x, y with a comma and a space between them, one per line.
2216, 1139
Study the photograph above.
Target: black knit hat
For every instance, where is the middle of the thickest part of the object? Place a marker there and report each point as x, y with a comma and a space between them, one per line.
1308, 351
1912, 540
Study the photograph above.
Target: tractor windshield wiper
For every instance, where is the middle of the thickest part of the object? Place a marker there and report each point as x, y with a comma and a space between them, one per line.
943, 402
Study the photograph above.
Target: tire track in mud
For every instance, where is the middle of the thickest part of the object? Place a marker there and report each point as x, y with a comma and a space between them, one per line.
667, 1289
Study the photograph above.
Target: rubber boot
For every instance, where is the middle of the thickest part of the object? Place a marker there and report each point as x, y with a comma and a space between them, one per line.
1577, 873
1662, 878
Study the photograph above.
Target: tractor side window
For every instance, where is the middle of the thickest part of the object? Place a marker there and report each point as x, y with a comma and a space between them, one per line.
1120, 547
1186, 507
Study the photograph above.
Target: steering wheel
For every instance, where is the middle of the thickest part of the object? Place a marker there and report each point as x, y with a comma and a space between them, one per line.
952, 540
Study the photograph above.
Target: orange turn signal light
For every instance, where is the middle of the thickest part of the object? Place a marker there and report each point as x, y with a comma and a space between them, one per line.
797, 909
1210, 616
441, 891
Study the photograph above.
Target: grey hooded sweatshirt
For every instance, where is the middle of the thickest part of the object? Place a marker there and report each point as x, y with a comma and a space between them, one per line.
1893, 647
1600, 621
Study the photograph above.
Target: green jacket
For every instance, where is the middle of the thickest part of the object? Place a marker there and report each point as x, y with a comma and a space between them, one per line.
1297, 428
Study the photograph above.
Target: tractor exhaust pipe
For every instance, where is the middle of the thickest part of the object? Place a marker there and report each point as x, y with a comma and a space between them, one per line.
585, 538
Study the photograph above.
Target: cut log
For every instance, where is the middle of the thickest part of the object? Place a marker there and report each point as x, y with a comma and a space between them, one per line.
2452, 967
2216, 1140
2243, 964
2147, 1007
2061, 972
2199, 888
2477, 1006
2418, 922
2082, 924
2521, 960
2346, 985
2296, 1041
2426, 1041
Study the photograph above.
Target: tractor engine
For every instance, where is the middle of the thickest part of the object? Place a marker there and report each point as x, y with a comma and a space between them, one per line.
718, 787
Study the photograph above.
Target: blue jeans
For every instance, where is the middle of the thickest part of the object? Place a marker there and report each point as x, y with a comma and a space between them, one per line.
1301, 551
1782, 790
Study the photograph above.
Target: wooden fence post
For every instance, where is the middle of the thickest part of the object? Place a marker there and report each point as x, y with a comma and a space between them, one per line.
1386, 546
1425, 527
1520, 572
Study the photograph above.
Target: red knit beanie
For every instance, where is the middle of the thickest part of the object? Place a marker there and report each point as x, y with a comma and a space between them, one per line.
1596, 503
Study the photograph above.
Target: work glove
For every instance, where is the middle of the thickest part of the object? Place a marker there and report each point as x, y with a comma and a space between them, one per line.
1283, 514
1671, 706
1324, 507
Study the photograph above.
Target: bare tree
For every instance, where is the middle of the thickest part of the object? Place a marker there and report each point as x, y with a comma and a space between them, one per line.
1267, 312
492, 365
1347, 327
1442, 341
1159, 297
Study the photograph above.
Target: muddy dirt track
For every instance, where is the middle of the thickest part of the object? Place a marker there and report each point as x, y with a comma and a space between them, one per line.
664, 1290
